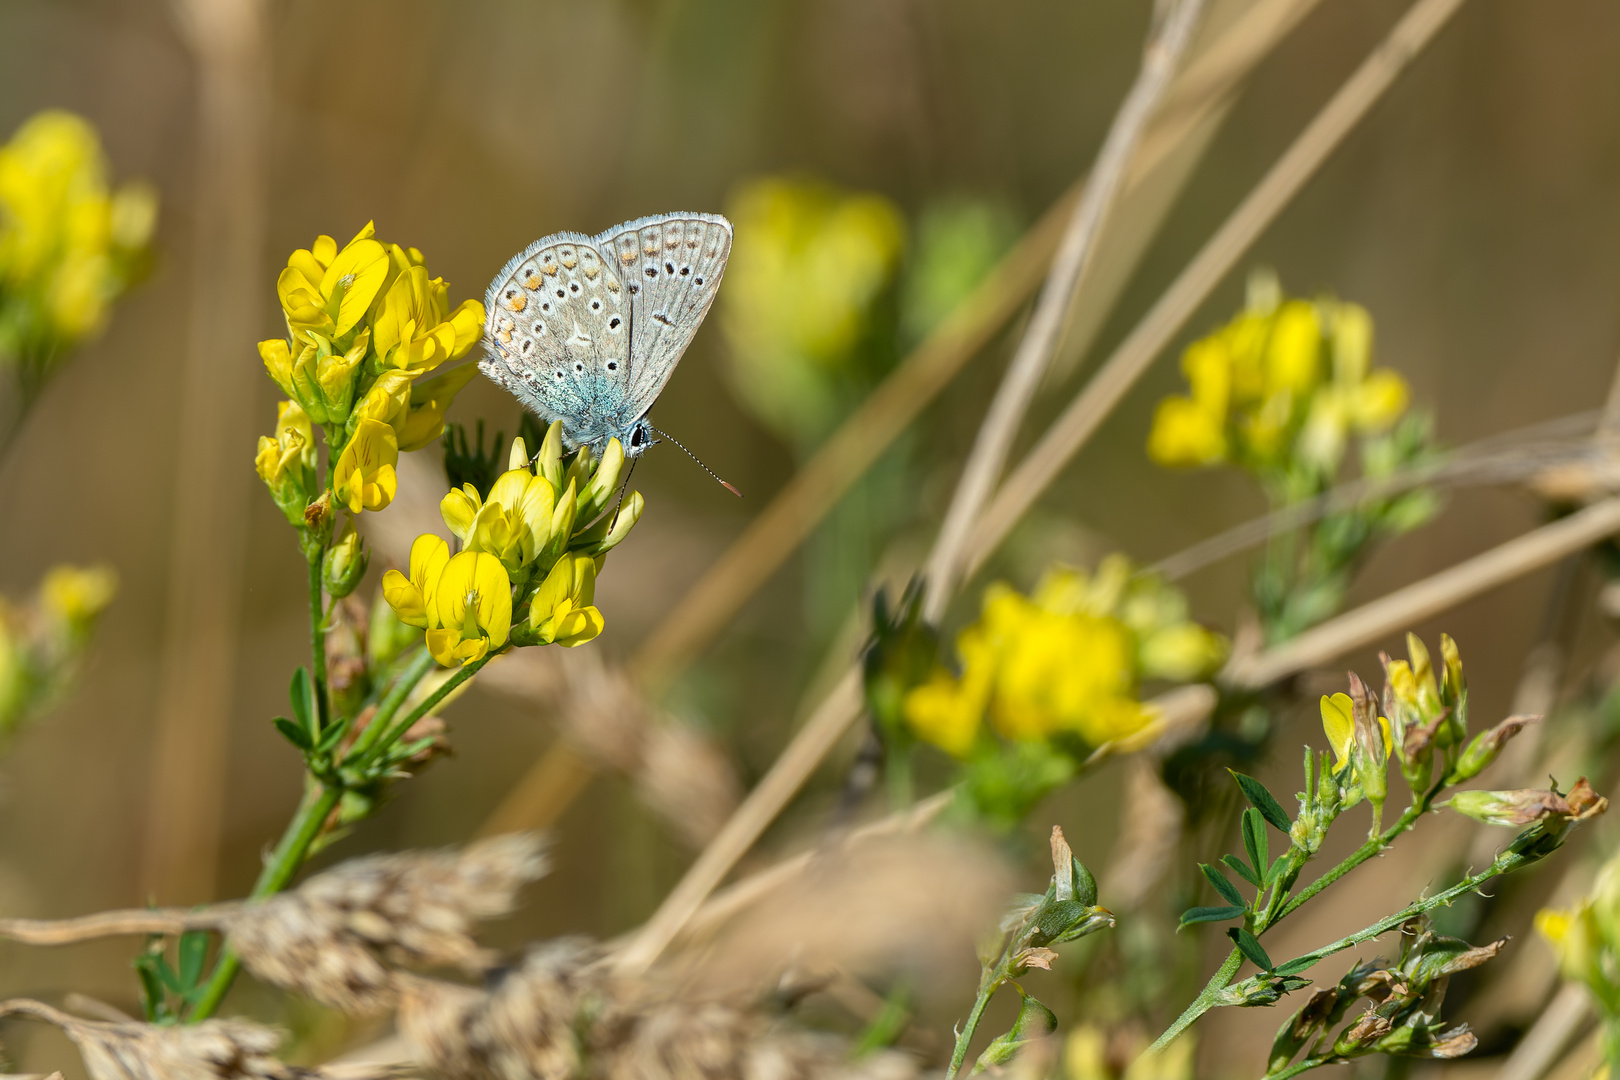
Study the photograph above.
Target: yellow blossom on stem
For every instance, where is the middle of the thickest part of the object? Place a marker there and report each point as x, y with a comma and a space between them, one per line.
286, 461
364, 478
561, 610
416, 330
327, 291
472, 603
412, 597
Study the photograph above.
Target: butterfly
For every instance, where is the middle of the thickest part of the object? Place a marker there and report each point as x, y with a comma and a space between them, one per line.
588, 329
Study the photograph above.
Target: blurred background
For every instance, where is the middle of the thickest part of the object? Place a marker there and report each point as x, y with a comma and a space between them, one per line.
1475, 213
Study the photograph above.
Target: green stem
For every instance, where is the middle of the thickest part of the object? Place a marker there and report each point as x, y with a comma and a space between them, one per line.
1367, 850
1298, 1067
1204, 1002
419, 666
394, 731
988, 986
317, 646
318, 803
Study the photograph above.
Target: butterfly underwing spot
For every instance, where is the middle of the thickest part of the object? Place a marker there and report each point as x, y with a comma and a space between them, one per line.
539, 328
685, 270
503, 331
569, 260
698, 281
613, 323
515, 300
613, 365
527, 345
532, 280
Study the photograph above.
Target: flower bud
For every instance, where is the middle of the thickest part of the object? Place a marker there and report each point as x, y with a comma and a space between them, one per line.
549, 462
1486, 745
344, 563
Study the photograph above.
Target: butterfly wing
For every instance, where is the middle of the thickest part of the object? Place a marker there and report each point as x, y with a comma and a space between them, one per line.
557, 336
672, 264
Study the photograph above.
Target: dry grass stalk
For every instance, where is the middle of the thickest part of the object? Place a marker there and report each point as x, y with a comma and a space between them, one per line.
1086, 413
556, 1017
211, 1050
117, 923
811, 744
337, 937
1075, 253
1422, 599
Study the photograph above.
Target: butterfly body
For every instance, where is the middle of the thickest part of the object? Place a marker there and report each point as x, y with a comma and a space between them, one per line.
587, 330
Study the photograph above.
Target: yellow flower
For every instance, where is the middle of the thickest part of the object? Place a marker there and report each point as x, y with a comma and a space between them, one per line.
415, 329
412, 597
364, 478
75, 595
1379, 400
809, 266
1185, 434
286, 461
472, 604
561, 610
515, 524
1338, 723
327, 291
67, 245
430, 398
946, 711
1293, 355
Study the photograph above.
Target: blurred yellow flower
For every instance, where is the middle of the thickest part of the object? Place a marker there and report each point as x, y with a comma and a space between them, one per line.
810, 263
68, 245
561, 610
1065, 661
364, 478
472, 609
1285, 381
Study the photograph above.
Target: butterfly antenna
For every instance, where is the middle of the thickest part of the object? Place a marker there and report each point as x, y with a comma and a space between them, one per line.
694, 457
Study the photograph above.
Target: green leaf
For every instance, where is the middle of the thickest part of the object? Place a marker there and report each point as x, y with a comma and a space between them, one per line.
1227, 890
333, 735
293, 733
1295, 966
1249, 947
1211, 914
300, 695
154, 1002
1085, 885
192, 951
1276, 865
1035, 1021
1242, 870
1263, 801
1254, 839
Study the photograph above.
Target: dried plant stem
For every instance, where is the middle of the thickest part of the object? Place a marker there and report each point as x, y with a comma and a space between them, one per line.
1028, 366
1433, 594
786, 776
1538, 1050
841, 707
1086, 413
117, 923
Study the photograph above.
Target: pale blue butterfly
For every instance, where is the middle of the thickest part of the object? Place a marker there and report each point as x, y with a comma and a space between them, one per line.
588, 329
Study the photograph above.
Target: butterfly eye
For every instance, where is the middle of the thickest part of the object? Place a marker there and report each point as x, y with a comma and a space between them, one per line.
635, 438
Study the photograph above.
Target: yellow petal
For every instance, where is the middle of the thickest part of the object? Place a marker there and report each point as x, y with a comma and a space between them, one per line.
405, 598
460, 508
1338, 722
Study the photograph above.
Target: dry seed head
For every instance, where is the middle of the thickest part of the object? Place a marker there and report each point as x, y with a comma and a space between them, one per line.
210, 1050
336, 937
556, 1017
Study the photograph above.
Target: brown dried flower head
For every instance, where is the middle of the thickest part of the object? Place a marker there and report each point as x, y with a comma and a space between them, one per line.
337, 937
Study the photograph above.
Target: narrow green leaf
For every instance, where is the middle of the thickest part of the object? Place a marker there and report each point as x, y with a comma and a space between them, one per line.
1212, 914
1227, 890
1276, 865
166, 974
1085, 885
293, 733
1242, 869
334, 735
1263, 801
1249, 947
300, 696
153, 1001
192, 951
1293, 967
1254, 839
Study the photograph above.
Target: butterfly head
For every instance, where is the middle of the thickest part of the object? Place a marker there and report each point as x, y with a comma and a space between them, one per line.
640, 436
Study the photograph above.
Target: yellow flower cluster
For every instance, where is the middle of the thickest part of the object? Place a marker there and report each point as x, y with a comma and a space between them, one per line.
69, 245
365, 323
809, 265
42, 642
1286, 381
1067, 660
534, 544
1586, 938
